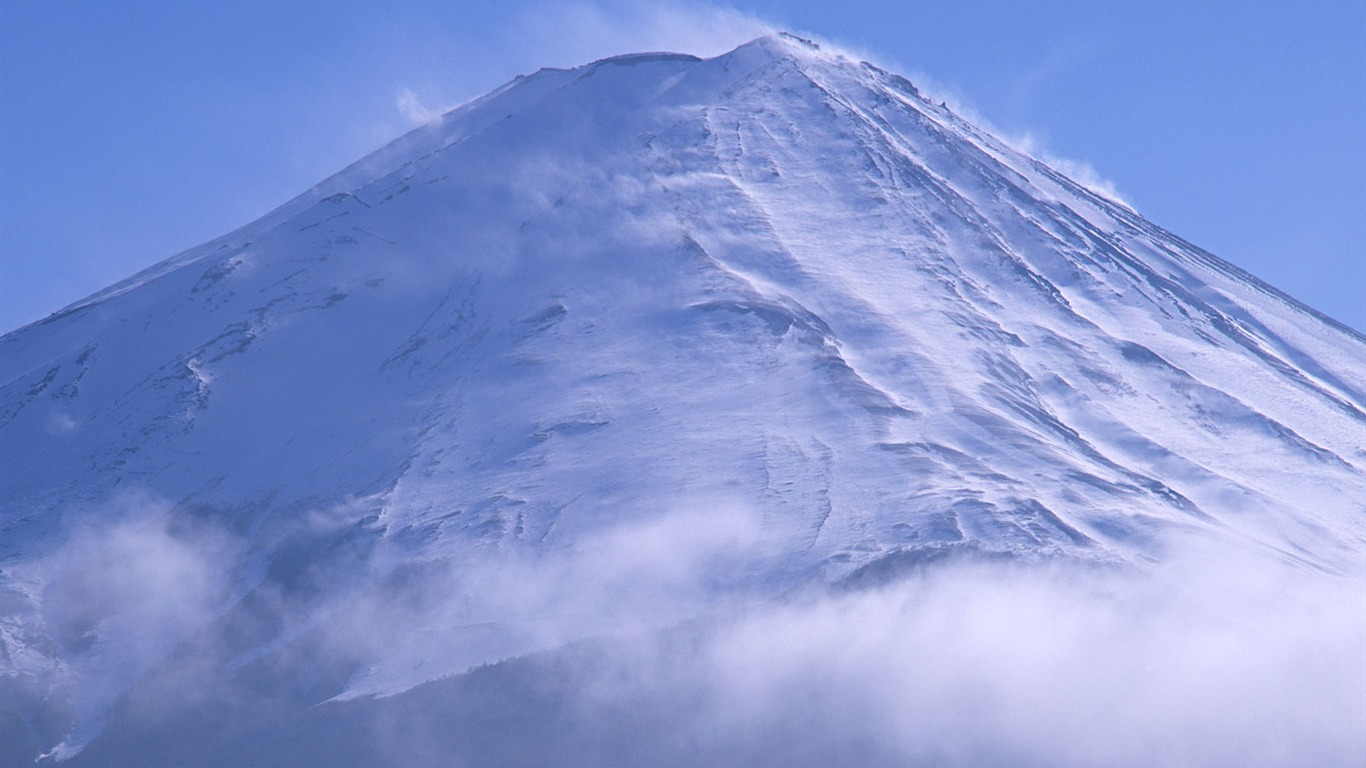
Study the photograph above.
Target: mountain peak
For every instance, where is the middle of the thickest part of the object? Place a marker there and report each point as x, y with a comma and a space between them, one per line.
640, 58
783, 41
828, 182
757, 52
780, 45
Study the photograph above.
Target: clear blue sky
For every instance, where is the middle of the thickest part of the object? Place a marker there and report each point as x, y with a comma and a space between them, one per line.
132, 130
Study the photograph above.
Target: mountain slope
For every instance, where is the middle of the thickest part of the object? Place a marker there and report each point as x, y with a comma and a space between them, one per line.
775, 315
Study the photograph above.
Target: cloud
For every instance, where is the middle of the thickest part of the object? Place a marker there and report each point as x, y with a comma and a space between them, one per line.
1223, 660
117, 596
1232, 661
444, 617
1217, 657
59, 422
413, 110
650, 638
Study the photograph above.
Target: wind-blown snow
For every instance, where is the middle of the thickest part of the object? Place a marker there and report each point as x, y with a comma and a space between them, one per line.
649, 338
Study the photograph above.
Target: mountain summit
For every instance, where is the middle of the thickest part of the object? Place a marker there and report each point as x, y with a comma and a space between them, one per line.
773, 317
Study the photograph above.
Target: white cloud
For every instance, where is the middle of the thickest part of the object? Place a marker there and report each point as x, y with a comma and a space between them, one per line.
1216, 657
1223, 660
1002, 665
483, 606
413, 110
59, 422
120, 594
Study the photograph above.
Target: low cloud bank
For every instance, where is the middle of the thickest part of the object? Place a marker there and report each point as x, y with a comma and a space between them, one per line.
1220, 661
1216, 657
650, 642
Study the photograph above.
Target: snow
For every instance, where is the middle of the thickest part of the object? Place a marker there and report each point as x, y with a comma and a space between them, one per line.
776, 291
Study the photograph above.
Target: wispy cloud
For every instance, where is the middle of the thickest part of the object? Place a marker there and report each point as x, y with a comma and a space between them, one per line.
413, 110
445, 617
119, 595
1198, 663
1218, 656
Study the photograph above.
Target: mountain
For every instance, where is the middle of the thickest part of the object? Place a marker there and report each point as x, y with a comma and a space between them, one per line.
619, 349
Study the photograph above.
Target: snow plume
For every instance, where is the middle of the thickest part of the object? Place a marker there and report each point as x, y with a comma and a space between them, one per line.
1077, 170
413, 110
1025, 141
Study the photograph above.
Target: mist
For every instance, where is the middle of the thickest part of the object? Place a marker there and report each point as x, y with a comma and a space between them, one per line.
649, 643
1217, 657
1221, 661
116, 596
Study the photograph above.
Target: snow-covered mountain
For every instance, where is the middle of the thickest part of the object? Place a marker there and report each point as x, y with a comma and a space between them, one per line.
623, 345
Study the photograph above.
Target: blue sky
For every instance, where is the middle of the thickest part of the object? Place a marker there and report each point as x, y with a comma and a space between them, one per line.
134, 130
